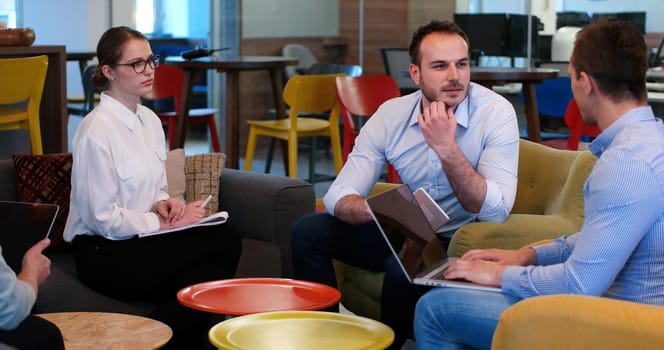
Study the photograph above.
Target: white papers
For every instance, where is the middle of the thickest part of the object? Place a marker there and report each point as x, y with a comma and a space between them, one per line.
435, 214
214, 219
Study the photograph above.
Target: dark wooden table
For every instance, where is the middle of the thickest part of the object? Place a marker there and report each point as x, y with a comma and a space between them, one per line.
232, 66
53, 117
82, 57
528, 77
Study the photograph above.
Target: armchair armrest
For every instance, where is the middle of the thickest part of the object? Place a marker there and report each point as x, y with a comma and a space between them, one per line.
517, 231
263, 207
579, 322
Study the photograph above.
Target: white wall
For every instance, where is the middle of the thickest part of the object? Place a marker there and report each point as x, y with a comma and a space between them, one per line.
77, 24
269, 18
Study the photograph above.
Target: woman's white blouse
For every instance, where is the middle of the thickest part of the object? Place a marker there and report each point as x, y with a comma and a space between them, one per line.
118, 172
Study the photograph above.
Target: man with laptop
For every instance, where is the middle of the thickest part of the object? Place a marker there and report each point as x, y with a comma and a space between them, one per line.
18, 290
618, 251
455, 139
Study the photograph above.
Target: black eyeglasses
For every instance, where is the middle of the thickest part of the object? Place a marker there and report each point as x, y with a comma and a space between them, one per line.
140, 65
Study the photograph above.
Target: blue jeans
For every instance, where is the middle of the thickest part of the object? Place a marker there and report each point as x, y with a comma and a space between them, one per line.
454, 318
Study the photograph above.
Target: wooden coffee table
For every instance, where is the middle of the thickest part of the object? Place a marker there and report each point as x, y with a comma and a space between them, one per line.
105, 331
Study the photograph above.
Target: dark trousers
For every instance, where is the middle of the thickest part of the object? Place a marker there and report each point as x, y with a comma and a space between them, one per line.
155, 268
33, 333
319, 237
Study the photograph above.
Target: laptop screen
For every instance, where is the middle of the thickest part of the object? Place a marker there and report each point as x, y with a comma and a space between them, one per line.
23, 224
404, 226
397, 211
394, 213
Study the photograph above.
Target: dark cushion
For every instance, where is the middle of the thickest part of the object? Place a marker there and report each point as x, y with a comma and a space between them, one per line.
46, 179
8, 191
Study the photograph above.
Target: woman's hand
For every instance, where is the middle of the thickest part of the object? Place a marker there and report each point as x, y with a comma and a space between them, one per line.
171, 210
193, 212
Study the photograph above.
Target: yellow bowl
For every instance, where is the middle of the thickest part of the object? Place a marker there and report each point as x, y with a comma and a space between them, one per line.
17, 37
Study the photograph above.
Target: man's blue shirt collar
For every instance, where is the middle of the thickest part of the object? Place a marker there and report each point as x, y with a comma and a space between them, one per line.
604, 139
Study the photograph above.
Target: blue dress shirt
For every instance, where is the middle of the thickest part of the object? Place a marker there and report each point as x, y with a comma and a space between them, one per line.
487, 134
619, 252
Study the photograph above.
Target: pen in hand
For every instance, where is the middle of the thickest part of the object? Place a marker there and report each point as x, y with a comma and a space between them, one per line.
206, 201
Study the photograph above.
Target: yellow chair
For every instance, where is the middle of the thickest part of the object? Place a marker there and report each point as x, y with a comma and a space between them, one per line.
304, 94
23, 80
577, 322
548, 203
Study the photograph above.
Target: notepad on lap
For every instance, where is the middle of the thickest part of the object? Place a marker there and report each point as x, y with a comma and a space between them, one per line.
214, 219
23, 224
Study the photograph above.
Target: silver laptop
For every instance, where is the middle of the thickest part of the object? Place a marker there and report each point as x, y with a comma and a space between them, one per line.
23, 224
398, 211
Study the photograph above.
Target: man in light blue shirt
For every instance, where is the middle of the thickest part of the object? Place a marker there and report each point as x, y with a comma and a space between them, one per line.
619, 252
18, 293
456, 139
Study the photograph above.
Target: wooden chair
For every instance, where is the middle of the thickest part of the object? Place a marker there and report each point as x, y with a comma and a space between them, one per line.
23, 79
360, 97
168, 81
317, 69
304, 94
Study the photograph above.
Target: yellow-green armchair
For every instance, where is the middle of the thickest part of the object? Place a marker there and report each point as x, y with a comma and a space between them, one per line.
576, 322
549, 203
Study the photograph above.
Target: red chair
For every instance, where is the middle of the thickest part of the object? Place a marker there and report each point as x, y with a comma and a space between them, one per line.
168, 81
360, 97
576, 127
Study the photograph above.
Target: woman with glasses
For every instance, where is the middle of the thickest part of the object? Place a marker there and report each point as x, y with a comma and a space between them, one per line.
119, 191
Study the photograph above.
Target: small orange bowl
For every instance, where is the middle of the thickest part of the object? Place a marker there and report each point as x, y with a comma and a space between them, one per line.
17, 37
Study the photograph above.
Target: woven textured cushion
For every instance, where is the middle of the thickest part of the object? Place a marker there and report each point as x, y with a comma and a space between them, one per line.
46, 179
202, 172
175, 173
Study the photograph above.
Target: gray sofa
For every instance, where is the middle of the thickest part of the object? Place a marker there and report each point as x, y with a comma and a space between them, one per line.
262, 209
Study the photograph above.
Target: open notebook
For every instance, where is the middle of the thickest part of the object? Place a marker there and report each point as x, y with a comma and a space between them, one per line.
399, 210
215, 219
23, 224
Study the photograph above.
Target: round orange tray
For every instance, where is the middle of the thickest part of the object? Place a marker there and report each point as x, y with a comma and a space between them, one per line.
243, 296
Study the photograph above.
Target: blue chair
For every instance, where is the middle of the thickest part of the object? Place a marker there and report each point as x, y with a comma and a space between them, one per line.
553, 96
